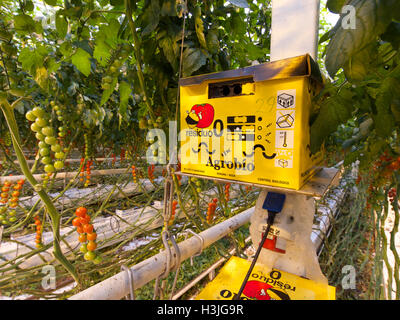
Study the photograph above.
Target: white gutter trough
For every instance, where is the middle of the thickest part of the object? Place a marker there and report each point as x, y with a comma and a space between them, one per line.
117, 286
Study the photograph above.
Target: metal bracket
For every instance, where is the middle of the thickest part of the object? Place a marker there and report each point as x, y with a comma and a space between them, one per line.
186, 232
165, 237
131, 283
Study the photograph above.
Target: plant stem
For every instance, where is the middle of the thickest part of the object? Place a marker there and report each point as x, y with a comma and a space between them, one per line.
54, 215
138, 57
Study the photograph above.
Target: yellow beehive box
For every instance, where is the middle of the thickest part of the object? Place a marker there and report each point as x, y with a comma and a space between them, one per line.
251, 125
263, 284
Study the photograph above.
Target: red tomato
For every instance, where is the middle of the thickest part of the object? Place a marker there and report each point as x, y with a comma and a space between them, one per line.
81, 212
80, 229
91, 246
15, 194
85, 219
82, 237
88, 228
92, 236
76, 222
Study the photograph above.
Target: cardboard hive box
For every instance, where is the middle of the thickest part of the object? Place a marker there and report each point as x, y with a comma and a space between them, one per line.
263, 284
251, 125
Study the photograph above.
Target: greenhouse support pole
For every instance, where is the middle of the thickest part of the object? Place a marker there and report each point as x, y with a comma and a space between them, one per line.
294, 29
117, 286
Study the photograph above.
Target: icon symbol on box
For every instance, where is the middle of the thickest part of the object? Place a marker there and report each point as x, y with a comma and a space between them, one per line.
285, 121
283, 163
285, 100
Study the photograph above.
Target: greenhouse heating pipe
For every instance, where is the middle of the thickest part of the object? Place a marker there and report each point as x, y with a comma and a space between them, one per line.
117, 286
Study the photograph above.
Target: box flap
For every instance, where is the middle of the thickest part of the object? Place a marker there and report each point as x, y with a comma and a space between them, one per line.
292, 67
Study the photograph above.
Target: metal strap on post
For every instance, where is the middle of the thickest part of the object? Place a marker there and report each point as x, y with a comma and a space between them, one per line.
187, 231
177, 264
165, 237
131, 284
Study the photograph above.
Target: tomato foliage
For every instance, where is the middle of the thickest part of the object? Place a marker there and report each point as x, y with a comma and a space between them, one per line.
111, 65
359, 110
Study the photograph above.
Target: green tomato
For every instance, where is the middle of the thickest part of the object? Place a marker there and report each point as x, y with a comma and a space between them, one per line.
4, 221
12, 219
59, 155
58, 165
46, 160
56, 147
56, 108
42, 144
30, 116
38, 112
61, 134
83, 248
50, 140
48, 131
90, 255
2, 217
12, 213
44, 152
97, 260
35, 127
41, 122
59, 113
60, 118
39, 136
49, 168
3, 209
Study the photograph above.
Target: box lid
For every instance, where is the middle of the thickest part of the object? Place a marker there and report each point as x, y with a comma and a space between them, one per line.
281, 69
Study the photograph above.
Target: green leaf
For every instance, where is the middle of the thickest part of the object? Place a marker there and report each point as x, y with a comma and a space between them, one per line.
61, 26
333, 112
193, 60
384, 119
117, 3
212, 40
124, 94
41, 77
107, 93
52, 65
24, 23
81, 60
199, 26
392, 34
102, 52
171, 51
66, 49
371, 19
151, 17
335, 5
239, 3
51, 2
168, 8
32, 59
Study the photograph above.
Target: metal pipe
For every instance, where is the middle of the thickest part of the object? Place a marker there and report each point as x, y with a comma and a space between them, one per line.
117, 286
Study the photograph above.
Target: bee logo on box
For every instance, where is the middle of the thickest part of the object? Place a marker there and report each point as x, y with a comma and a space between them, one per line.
200, 116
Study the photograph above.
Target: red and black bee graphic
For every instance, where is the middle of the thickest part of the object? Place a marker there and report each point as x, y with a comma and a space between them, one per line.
200, 116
